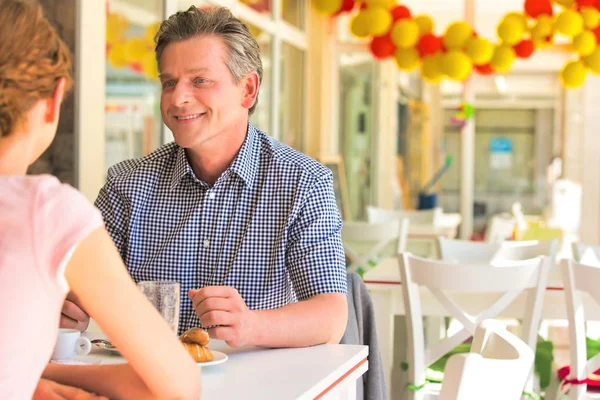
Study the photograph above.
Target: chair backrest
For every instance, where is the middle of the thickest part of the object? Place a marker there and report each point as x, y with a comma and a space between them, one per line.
586, 254
500, 228
416, 217
526, 250
509, 279
497, 367
465, 251
579, 278
365, 244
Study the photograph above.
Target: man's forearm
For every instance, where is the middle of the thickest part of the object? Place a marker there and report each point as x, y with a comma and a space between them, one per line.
320, 319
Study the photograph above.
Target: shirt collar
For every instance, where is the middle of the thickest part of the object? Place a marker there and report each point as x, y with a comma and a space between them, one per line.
181, 169
245, 164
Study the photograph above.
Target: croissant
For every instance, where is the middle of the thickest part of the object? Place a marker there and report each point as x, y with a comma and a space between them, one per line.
195, 340
199, 353
195, 335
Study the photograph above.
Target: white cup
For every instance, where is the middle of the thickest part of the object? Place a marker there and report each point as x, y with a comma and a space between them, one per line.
70, 343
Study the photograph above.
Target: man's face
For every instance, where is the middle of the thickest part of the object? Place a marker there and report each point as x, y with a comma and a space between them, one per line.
200, 98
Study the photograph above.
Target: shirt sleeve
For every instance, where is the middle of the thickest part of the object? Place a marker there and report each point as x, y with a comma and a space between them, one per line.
62, 219
315, 255
115, 214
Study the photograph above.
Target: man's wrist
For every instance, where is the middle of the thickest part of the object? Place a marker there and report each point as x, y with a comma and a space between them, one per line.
257, 333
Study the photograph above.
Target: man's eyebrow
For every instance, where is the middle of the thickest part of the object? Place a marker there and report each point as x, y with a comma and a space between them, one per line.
189, 71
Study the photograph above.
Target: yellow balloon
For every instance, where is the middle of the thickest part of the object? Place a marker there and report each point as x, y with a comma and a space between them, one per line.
584, 43
380, 3
431, 69
425, 24
503, 58
407, 59
149, 66
541, 31
116, 55
456, 35
479, 50
569, 23
405, 33
515, 17
151, 31
135, 49
359, 26
593, 61
510, 31
327, 7
573, 74
565, 3
116, 26
380, 21
456, 65
591, 17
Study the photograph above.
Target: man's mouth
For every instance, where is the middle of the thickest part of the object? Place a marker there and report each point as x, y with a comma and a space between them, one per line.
187, 117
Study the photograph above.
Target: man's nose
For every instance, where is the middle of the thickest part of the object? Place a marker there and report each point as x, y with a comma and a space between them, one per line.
182, 94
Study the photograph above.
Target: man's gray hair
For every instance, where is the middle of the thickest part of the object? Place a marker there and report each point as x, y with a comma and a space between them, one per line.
244, 51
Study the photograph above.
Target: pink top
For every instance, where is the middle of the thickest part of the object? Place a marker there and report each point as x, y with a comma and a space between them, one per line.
41, 222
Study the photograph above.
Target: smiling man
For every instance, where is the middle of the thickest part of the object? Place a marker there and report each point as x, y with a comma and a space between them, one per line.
248, 226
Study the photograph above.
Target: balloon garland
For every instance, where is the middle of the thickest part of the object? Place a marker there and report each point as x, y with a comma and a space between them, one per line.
395, 33
133, 52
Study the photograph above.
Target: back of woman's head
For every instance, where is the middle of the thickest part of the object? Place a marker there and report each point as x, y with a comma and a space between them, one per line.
33, 59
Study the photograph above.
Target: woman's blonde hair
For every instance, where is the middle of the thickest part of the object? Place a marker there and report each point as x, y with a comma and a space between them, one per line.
33, 58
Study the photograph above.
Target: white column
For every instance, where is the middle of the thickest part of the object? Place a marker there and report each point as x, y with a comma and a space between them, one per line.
90, 73
467, 170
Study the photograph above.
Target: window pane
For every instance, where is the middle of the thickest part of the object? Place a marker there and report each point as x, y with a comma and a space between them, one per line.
291, 102
292, 11
356, 129
132, 115
262, 113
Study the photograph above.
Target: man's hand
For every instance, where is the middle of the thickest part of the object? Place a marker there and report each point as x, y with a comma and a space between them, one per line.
73, 316
223, 308
50, 390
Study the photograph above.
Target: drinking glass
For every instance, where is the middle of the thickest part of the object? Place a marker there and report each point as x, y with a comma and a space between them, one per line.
165, 296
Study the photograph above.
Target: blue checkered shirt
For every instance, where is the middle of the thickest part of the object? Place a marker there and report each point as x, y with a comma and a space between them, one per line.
269, 226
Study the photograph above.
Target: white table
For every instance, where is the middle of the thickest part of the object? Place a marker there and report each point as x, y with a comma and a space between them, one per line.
319, 372
385, 288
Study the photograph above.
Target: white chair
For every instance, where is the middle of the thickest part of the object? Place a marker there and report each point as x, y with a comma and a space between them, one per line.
424, 227
500, 228
367, 244
527, 249
510, 280
496, 368
586, 254
465, 251
416, 217
579, 278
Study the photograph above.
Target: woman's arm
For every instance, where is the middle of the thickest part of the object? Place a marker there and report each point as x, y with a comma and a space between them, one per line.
97, 276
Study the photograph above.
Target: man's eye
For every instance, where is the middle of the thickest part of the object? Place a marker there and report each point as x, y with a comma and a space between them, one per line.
199, 81
168, 84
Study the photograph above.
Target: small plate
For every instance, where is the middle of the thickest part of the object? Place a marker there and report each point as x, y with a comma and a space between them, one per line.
219, 358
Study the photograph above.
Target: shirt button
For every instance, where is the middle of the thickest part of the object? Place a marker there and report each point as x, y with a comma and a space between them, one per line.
206, 243
211, 195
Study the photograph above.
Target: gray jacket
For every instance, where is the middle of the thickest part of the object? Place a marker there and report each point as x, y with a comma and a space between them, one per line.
361, 330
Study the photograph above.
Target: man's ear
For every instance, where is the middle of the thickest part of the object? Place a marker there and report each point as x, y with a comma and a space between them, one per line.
251, 85
54, 102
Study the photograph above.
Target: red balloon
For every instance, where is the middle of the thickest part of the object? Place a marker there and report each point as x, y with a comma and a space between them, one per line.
136, 67
383, 47
535, 8
400, 12
429, 44
347, 5
585, 3
596, 33
484, 69
524, 49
